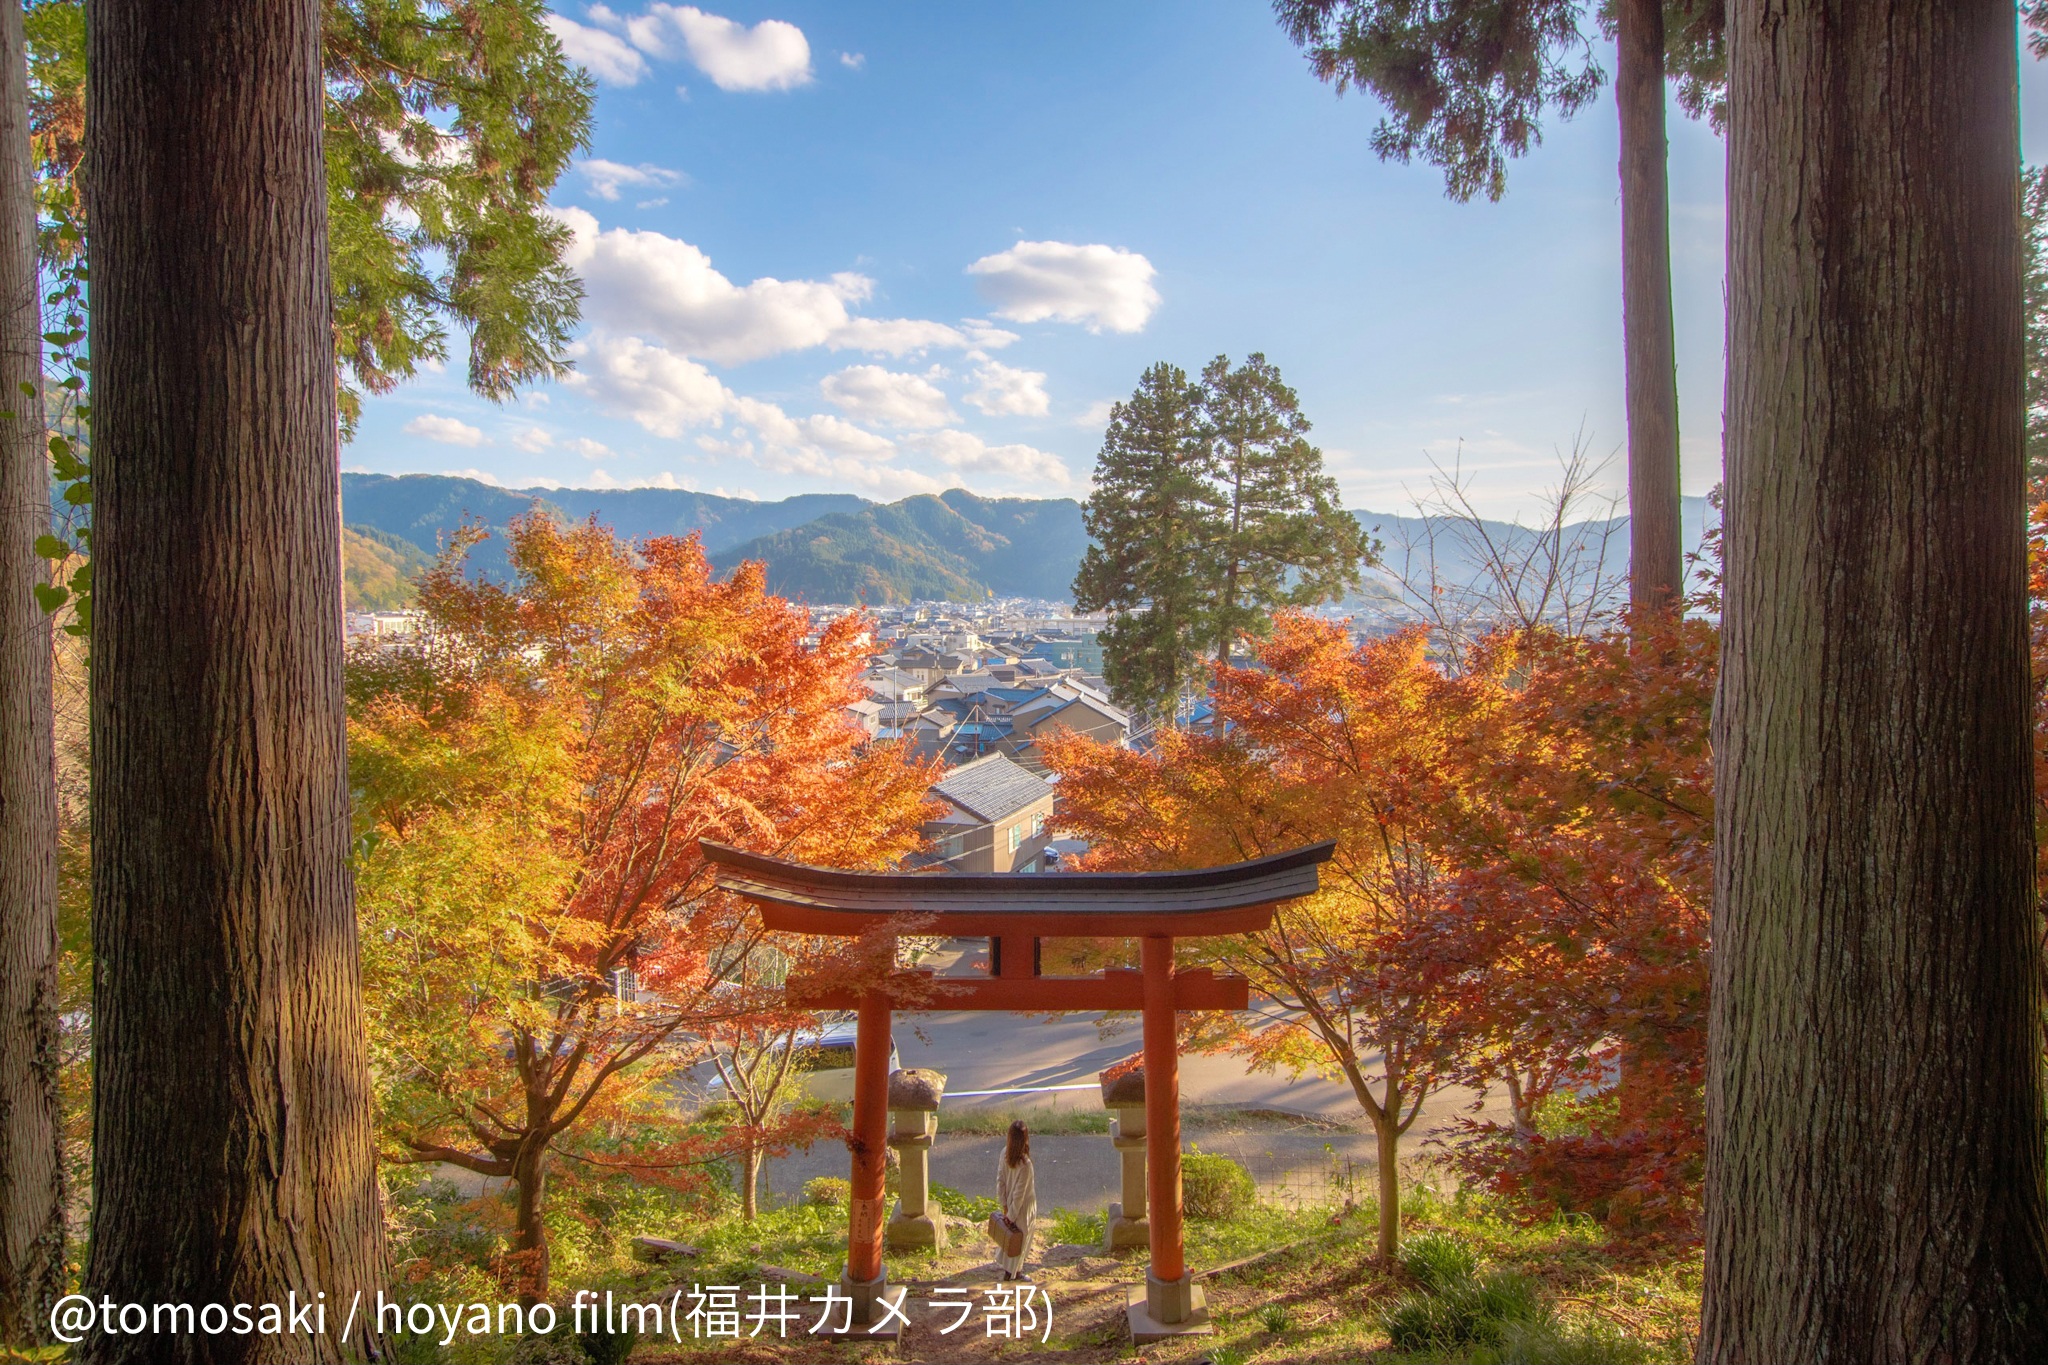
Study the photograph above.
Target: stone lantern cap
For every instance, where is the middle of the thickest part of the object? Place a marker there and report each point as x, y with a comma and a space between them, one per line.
915, 1088
1123, 1085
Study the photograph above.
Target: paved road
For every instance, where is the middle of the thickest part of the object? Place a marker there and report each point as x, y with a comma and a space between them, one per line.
997, 1051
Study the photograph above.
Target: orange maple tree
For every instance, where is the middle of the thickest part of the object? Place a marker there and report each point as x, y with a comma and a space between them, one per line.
1319, 740
544, 946
1576, 958
1518, 899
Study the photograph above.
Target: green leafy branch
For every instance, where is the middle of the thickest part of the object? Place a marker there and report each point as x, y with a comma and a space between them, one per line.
68, 546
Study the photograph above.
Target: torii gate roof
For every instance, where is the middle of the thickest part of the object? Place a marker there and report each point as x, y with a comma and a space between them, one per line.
1234, 899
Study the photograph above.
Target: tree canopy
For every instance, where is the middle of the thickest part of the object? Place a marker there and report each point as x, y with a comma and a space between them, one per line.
447, 123
1211, 509
1465, 83
533, 780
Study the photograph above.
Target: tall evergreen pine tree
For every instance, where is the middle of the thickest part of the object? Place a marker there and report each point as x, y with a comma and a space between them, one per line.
1147, 521
1210, 509
1287, 540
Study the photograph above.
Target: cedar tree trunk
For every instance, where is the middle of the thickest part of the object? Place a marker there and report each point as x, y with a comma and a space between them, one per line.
1874, 1185
31, 1169
1656, 552
232, 1155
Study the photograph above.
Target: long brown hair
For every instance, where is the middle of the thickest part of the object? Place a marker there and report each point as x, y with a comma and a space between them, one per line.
1019, 1149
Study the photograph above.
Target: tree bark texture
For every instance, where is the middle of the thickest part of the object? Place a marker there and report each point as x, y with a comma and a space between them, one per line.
232, 1153
1874, 1188
1656, 541
529, 1232
1386, 1131
31, 1119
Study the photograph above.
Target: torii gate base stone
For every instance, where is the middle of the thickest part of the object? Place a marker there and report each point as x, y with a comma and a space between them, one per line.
1014, 910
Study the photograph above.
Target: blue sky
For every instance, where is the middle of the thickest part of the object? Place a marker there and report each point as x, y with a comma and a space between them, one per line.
893, 248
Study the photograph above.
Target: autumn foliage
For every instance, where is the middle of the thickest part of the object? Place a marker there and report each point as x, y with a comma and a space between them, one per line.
543, 946
1517, 903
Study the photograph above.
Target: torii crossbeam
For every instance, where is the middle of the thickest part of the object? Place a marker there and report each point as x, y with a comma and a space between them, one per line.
1014, 910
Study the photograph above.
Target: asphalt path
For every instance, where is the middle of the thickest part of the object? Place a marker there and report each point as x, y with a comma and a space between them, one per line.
1054, 1061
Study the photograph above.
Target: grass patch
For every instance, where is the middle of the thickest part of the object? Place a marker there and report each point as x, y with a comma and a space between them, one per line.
1043, 1121
1466, 1311
974, 1207
1064, 1226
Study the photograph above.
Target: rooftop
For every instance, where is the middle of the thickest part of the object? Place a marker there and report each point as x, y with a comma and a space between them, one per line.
993, 787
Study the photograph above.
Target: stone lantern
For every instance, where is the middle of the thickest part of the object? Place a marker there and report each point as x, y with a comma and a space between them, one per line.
1123, 1093
914, 1096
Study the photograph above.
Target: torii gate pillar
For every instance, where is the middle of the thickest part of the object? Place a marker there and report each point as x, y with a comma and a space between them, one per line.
1170, 1303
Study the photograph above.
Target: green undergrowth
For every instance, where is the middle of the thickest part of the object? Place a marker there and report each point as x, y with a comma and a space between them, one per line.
1300, 1286
1470, 1288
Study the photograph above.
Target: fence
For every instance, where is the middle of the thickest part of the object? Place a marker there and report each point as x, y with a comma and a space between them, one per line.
1288, 1182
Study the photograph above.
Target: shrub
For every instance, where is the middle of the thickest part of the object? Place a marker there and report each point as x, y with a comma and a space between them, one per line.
1438, 1261
1273, 1317
828, 1191
607, 1348
974, 1208
1215, 1188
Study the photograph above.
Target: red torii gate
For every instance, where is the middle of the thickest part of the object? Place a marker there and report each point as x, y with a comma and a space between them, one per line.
1014, 910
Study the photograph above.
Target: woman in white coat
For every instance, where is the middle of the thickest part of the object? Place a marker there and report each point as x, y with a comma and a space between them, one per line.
1017, 1194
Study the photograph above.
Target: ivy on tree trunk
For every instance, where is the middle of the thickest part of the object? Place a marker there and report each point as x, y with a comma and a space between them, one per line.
31, 1166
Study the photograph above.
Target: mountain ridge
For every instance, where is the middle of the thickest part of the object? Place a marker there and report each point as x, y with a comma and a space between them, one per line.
840, 547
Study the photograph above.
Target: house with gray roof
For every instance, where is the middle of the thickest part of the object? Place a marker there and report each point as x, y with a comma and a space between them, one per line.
997, 818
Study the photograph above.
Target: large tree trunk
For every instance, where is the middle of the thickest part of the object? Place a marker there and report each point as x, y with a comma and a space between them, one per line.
31, 1168
1874, 1099
232, 1128
1656, 548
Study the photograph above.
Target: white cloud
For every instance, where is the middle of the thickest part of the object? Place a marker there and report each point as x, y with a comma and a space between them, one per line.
651, 283
843, 437
607, 178
772, 55
448, 431
895, 336
481, 476
669, 395
662, 391
985, 336
606, 56
874, 394
968, 453
600, 479
1103, 287
1000, 390
1096, 414
534, 440
853, 61
657, 286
